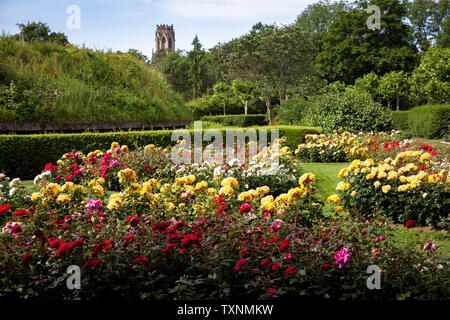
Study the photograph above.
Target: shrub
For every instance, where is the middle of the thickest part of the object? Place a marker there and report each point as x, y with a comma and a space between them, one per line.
400, 120
430, 121
292, 111
239, 120
408, 187
25, 155
351, 110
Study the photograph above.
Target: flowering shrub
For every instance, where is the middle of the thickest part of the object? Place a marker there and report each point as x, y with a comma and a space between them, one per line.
407, 187
203, 232
339, 147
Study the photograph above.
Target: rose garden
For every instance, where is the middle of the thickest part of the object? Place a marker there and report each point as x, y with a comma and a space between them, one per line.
356, 206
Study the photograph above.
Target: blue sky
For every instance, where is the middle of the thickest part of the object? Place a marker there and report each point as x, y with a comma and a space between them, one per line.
124, 24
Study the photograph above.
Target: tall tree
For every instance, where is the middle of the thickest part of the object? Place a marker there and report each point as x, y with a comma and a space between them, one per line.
429, 19
351, 49
196, 57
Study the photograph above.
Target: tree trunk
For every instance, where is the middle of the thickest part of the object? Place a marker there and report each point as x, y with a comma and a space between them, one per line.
389, 104
398, 102
224, 108
245, 106
267, 99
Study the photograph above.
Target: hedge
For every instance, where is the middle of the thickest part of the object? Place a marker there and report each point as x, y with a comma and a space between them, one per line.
429, 121
400, 119
25, 156
239, 120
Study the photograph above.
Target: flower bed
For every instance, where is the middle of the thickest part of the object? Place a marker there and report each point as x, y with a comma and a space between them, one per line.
140, 227
408, 187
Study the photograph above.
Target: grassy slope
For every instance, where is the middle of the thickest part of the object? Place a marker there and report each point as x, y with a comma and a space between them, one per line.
48, 82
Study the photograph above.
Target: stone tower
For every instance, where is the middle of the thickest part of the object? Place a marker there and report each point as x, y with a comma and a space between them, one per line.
165, 37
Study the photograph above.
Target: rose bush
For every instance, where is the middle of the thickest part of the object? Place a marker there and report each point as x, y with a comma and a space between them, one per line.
203, 232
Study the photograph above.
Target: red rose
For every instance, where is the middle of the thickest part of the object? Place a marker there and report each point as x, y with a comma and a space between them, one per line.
271, 291
245, 208
265, 262
142, 261
27, 258
284, 245
410, 223
4, 209
133, 221
240, 263
275, 266
160, 226
91, 263
169, 248
290, 270
243, 251
20, 213
326, 267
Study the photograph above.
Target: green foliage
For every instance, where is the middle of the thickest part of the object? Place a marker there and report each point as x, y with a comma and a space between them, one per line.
393, 85
351, 110
292, 111
431, 79
400, 120
45, 81
38, 31
239, 120
430, 121
351, 49
430, 20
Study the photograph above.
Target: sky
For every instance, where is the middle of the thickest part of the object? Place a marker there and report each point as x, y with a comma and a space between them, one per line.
131, 24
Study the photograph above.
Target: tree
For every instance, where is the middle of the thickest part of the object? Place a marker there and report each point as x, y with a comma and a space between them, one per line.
222, 91
139, 55
316, 18
38, 31
369, 83
393, 85
274, 58
431, 79
429, 19
351, 49
245, 90
196, 57
176, 68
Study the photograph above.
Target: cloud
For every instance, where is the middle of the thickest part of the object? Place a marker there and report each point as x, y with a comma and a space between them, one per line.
232, 10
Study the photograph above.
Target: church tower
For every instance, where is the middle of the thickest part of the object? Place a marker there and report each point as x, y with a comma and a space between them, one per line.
165, 38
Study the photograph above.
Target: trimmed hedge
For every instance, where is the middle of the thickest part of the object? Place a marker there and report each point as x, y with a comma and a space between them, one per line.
239, 120
400, 119
25, 156
429, 121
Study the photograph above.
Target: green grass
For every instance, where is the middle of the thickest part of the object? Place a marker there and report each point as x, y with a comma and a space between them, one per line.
326, 176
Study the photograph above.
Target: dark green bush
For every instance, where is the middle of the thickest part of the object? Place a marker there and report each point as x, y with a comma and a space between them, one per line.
400, 119
25, 156
430, 121
351, 110
292, 111
239, 120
